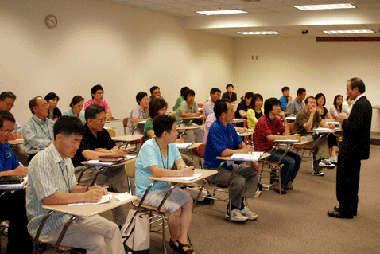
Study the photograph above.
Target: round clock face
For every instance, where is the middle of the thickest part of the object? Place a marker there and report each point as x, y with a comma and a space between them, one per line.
51, 21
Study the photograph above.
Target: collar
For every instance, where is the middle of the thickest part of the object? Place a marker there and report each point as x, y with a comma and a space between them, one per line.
56, 156
220, 124
35, 118
358, 98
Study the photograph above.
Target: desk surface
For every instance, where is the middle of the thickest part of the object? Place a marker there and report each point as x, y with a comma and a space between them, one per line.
192, 117
205, 173
191, 127
88, 210
238, 120
248, 133
128, 138
114, 121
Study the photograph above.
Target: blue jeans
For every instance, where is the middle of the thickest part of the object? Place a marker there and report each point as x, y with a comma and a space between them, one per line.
292, 163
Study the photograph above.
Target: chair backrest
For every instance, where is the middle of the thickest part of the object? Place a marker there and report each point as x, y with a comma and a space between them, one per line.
111, 131
125, 122
245, 123
130, 170
201, 150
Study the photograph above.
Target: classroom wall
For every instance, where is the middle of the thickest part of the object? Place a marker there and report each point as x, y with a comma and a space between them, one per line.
302, 62
125, 49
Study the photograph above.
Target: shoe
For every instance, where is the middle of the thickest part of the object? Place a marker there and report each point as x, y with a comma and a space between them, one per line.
337, 209
276, 188
326, 163
250, 215
334, 159
289, 186
340, 215
319, 173
236, 215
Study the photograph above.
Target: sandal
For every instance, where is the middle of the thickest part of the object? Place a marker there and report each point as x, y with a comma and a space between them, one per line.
182, 251
173, 246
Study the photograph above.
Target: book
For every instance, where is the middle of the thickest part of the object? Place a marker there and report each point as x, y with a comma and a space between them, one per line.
248, 157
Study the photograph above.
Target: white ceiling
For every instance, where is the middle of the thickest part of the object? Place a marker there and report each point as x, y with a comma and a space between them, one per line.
264, 15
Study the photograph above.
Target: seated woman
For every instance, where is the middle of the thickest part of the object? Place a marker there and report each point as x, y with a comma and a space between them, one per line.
139, 113
269, 128
325, 114
188, 108
76, 108
253, 114
156, 158
243, 106
180, 98
54, 112
336, 108
347, 106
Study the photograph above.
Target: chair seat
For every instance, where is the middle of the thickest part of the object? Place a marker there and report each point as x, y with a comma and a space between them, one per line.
149, 207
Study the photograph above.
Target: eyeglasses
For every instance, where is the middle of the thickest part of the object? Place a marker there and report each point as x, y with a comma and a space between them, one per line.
101, 120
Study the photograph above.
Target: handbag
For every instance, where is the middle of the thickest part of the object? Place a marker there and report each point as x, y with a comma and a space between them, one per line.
135, 233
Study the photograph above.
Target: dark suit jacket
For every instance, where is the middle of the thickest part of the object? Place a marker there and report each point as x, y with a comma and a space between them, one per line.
356, 131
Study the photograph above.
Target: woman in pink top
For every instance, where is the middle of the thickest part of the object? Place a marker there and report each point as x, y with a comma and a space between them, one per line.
336, 108
97, 98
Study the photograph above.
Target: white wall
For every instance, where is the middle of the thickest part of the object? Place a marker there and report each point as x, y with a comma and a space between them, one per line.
127, 50
302, 62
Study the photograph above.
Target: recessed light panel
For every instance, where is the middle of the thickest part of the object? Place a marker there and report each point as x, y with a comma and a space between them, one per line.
354, 31
221, 12
255, 33
321, 7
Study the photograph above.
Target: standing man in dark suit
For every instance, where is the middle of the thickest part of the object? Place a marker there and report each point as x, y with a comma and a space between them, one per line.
354, 148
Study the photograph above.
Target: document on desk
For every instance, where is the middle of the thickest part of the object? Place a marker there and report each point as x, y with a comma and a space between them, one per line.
286, 141
323, 129
248, 157
104, 199
183, 146
187, 178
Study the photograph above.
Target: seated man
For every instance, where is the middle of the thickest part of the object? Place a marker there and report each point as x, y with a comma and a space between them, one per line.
156, 158
305, 121
208, 108
97, 142
7, 99
13, 204
285, 98
269, 128
97, 98
52, 182
155, 93
297, 104
230, 94
38, 130
222, 140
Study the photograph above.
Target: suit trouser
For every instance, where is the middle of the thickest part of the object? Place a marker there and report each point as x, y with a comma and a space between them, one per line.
347, 183
243, 182
115, 178
95, 234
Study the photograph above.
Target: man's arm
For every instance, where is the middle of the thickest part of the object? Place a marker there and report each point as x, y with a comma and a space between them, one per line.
95, 154
20, 170
78, 194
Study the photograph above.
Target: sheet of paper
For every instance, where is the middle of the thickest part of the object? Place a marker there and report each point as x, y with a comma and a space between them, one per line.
123, 196
250, 157
188, 178
286, 141
104, 199
323, 129
183, 146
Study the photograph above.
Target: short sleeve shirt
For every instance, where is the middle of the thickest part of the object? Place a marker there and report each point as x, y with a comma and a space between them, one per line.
81, 116
148, 127
241, 106
208, 108
232, 98
284, 103
8, 160
138, 113
264, 127
184, 106
302, 118
102, 103
150, 155
219, 139
90, 142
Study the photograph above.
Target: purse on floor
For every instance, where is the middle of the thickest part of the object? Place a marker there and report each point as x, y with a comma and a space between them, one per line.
135, 233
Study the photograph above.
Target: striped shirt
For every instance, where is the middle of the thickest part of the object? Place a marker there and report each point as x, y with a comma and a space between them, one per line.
264, 127
37, 134
48, 173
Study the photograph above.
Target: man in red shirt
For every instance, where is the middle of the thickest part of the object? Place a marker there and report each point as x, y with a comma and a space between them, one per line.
269, 128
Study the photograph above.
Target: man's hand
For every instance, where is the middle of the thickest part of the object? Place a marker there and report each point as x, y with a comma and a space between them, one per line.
247, 149
198, 113
187, 171
282, 115
331, 126
313, 110
290, 98
94, 194
105, 192
20, 170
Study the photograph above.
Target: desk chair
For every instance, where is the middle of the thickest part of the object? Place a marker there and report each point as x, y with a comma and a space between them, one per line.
157, 216
125, 124
112, 132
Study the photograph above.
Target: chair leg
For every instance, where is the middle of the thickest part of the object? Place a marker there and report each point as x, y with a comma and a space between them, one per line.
163, 232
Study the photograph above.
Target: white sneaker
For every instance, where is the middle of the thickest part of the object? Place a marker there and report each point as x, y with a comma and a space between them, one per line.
236, 215
334, 159
250, 215
326, 163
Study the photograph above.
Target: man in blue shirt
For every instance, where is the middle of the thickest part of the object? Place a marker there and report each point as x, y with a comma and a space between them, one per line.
285, 98
223, 140
12, 204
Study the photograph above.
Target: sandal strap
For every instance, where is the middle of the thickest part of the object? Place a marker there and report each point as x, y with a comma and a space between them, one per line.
181, 245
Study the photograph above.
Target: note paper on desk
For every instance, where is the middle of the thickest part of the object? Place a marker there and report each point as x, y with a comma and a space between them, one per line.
183, 146
249, 157
187, 178
123, 196
104, 199
322, 129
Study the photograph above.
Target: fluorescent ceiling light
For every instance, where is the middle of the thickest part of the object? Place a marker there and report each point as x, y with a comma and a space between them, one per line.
263, 32
354, 31
221, 12
324, 7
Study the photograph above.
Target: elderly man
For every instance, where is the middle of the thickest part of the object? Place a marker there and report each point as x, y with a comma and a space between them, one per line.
13, 204
354, 148
52, 182
297, 104
95, 143
306, 120
222, 140
38, 130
